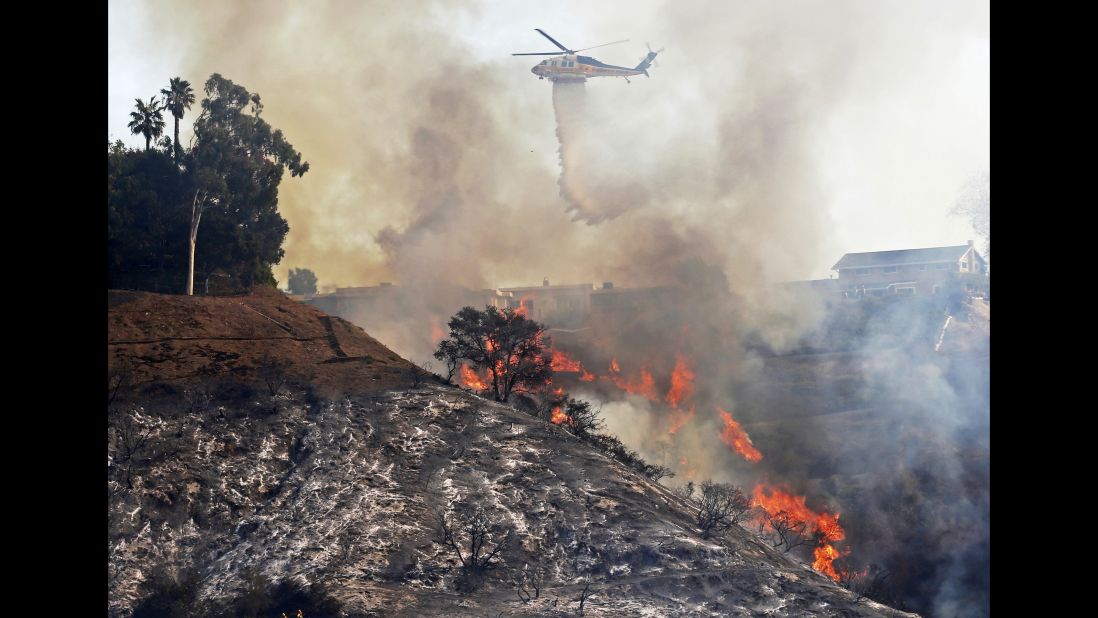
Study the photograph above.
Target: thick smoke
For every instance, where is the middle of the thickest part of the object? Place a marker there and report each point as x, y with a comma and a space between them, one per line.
438, 170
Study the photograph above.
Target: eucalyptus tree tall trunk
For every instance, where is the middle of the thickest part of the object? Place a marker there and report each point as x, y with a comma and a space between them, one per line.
197, 206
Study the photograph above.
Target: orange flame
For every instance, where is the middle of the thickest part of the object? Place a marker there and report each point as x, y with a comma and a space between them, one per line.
563, 363
559, 416
587, 376
682, 382
470, 379
825, 524
735, 437
825, 556
645, 385
523, 309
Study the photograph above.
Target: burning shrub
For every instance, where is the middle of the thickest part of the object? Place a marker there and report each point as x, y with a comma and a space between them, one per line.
721, 507
787, 530
582, 419
511, 349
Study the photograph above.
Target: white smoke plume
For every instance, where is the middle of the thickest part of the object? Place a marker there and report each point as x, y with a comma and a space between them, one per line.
593, 182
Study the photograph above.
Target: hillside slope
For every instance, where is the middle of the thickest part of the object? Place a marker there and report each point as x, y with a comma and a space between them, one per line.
339, 479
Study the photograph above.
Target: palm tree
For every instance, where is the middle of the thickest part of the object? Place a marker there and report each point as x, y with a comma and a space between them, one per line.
178, 97
147, 120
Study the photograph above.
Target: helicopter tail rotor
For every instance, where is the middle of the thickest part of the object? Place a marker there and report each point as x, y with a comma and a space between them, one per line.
653, 54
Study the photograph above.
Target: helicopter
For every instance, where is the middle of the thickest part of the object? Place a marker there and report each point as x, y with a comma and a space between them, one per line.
571, 67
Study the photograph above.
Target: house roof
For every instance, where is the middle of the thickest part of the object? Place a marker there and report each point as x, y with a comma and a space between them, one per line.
901, 256
551, 288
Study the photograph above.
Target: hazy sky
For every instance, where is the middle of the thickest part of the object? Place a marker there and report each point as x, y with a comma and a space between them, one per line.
903, 117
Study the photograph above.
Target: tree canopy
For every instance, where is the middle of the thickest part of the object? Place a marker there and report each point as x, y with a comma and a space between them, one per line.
147, 119
511, 348
302, 281
178, 98
235, 164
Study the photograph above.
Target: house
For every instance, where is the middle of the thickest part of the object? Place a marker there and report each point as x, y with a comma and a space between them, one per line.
562, 306
910, 272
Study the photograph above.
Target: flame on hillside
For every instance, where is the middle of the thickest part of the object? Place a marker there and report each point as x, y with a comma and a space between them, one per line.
682, 382
559, 416
470, 379
565, 364
735, 437
824, 526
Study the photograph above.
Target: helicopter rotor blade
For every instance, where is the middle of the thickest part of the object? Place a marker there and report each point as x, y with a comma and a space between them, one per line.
565, 49
603, 45
542, 54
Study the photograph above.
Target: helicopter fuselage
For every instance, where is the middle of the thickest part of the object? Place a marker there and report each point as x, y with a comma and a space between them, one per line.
575, 68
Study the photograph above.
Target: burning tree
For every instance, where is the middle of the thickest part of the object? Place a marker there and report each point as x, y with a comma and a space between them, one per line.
787, 530
512, 349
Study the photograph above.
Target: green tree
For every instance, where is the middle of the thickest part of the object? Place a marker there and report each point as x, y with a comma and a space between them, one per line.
145, 224
236, 165
512, 348
178, 97
155, 201
302, 281
147, 120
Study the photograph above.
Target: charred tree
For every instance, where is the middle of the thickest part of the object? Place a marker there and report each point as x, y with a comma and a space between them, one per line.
721, 507
585, 594
475, 540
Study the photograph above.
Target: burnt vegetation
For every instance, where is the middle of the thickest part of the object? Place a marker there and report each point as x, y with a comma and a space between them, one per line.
720, 506
532, 577
131, 441
475, 540
273, 373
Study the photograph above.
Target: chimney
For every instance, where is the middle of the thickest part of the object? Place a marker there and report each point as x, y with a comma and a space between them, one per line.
607, 285
545, 282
